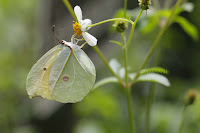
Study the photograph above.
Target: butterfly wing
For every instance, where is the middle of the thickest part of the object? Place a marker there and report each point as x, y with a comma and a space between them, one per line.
37, 79
72, 76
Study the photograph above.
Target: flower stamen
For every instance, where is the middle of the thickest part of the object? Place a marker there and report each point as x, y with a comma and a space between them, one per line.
77, 28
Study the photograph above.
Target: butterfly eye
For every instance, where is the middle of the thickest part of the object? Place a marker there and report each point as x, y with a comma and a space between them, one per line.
62, 42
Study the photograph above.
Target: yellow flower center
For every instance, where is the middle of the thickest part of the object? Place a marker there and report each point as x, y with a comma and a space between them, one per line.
77, 28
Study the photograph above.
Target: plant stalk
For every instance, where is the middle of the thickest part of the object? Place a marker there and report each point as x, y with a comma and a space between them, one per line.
128, 90
125, 58
70, 9
130, 110
133, 28
156, 41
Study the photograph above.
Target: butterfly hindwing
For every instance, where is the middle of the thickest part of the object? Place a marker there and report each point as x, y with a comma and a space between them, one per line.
37, 79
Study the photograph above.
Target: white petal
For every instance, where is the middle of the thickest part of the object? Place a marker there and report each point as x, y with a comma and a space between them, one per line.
78, 13
85, 23
91, 40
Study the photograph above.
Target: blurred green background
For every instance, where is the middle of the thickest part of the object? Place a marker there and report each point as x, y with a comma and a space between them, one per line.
25, 35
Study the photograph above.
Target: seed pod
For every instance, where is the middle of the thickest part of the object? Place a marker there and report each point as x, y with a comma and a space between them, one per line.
120, 26
190, 97
144, 4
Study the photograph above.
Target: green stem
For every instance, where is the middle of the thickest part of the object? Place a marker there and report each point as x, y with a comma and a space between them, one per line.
125, 58
110, 20
107, 64
130, 110
126, 65
149, 105
156, 41
70, 9
182, 120
125, 8
128, 90
132, 29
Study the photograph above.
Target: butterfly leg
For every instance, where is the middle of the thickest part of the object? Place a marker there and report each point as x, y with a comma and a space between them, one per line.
83, 44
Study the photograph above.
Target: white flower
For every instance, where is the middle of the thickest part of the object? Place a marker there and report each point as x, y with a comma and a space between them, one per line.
80, 27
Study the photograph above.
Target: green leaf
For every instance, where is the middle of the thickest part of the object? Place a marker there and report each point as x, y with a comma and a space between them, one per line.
105, 81
154, 70
72, 76
189, 28
37, 79
151, 77
116, 42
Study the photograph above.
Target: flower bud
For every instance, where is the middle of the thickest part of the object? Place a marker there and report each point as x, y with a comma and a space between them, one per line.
120, 26
144, 4
190, 97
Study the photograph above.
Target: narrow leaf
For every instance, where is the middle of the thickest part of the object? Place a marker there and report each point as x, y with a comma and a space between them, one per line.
116, 42
154, 77
154, 70
151, 77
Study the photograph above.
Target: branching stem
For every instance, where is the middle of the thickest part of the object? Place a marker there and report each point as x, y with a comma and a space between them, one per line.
133, 28
156, 42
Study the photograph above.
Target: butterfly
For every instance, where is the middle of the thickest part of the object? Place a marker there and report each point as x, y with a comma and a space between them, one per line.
65, 74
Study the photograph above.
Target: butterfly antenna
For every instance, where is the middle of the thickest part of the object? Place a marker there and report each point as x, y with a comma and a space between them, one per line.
55, 34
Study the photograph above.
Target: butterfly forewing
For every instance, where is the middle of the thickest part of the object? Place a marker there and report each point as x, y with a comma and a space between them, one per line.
72, 76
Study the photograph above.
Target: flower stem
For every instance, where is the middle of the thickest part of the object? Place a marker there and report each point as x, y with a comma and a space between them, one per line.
156, 41
149, 105
182, 120
130, 110
126, 65
128, 90
110, 20
70, 9
125, 58
132, 29
107, 64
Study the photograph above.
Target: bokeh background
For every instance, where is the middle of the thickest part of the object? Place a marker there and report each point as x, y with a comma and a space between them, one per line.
25, 35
